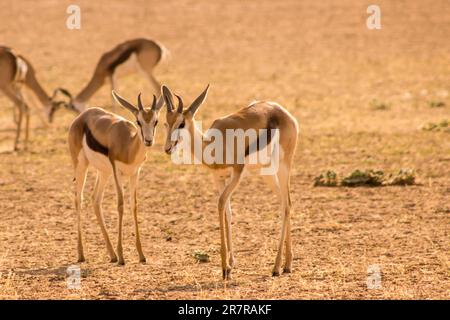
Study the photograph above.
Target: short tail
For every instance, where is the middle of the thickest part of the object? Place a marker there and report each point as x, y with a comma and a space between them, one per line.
165, 54
21, 68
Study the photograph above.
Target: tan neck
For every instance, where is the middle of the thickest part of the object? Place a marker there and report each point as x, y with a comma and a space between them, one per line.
40, 93
89, 90
137, 147
197, 142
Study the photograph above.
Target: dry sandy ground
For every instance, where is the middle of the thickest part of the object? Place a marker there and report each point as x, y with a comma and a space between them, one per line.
319, 60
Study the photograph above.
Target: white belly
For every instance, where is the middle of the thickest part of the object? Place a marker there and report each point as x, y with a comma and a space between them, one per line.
130, 66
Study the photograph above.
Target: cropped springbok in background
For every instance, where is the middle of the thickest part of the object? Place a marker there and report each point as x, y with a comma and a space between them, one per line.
257, 116
128, 57
17, 74
113, 146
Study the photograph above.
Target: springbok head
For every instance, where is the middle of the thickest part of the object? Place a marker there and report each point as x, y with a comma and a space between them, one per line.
57, 104
179, 118
146, 118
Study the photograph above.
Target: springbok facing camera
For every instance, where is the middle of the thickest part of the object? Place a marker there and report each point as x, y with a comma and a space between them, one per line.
113, 146
257, 116
15, 73
127, 57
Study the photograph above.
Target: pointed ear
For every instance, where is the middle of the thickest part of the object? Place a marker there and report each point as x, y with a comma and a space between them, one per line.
198, 102
124, 103
167, 95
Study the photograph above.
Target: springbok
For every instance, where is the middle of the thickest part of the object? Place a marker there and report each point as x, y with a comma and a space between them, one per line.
257, 116
16, 72
141, 54
113, 146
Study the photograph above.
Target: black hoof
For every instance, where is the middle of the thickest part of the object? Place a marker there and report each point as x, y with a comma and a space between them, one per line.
121, 263
275, 273
82, 259
287, 270
113, 260
143, 260
226, 274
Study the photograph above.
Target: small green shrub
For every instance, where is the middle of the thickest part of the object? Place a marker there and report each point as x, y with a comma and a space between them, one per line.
326, 179
364, 178
405, 177
201, 256
443, 126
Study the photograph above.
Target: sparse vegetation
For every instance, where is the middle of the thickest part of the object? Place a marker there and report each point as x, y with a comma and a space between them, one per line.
326, 179
405, 177
370, 178
379, 105
363, 178
443, 126
201, 256
326, 77
436, 104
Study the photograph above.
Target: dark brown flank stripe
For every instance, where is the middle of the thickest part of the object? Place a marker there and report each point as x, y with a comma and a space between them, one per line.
93, 143
121, 59
272, 123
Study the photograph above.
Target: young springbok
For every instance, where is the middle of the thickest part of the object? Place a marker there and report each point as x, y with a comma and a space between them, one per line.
125, 58
113, 146
257, 116
17, 73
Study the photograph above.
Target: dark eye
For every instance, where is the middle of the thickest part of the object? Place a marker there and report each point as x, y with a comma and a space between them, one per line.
156, 122
139, 123
181, 125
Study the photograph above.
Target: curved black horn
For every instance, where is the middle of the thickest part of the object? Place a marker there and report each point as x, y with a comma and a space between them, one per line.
63, 91
140, 106
180, 104
154, 103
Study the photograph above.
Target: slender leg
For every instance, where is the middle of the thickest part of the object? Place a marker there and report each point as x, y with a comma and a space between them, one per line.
153, 82
156, 83
18, 129
220, 183
229, 235
113, 82
27, 125
119, 190
225, 236
283, 177
102, 179
284, 185
133, 201
80, 178
16, 114
26, 110
15, 96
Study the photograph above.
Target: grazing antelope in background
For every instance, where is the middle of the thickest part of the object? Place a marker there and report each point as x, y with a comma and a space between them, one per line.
258, 115
144, 53
17, 73
113, 146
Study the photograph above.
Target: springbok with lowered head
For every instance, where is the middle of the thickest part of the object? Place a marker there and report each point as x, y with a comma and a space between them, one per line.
262, 116
113, 146
126, 58
16, 74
